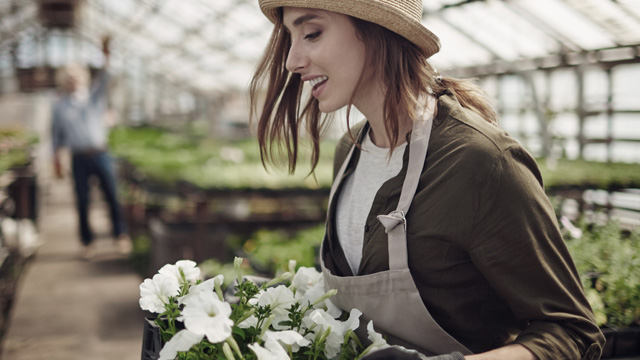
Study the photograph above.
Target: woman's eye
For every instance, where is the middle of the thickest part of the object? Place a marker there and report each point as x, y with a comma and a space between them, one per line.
312, 35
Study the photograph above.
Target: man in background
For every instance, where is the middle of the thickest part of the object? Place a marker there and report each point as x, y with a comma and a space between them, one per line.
78, 124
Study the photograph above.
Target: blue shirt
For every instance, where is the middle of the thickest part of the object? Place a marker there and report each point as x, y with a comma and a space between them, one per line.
79, 125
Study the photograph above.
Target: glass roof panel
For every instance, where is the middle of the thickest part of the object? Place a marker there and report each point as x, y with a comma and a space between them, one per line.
163, 30
195, 44
631, 6
479, 24
226, 37
186, 13
565, 20
456, 50
431, 6
612, 18
525, 38
123, 8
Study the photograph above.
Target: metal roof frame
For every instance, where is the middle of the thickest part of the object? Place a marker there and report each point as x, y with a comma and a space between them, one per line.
206, 54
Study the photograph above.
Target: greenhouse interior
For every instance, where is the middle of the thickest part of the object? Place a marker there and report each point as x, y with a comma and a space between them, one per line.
190, 184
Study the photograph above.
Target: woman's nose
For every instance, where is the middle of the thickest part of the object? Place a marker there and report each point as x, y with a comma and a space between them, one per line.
295, 59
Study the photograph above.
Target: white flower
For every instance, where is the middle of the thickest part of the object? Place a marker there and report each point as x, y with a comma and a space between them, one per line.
377, 341
205, 286
249, 322
183, 271
155, 292
280, 299
575, 232
182, 341
287, 337
292, 266
306, 278
332, 309
271, 351
313, 294
206, 314
324, 321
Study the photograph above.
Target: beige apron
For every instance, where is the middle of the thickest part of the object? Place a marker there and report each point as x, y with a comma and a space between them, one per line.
391, 298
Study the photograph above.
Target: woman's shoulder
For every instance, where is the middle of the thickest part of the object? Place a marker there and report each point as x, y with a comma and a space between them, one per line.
461, 129
463, 137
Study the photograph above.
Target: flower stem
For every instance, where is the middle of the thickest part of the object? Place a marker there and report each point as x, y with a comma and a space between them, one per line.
231, 341
227, 352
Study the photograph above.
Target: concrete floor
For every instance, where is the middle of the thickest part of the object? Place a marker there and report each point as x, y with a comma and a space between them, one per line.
68, 308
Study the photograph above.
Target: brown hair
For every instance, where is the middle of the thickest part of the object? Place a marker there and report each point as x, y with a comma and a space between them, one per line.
404, 71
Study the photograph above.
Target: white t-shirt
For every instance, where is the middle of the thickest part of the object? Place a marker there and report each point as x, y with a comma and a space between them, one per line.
374, 169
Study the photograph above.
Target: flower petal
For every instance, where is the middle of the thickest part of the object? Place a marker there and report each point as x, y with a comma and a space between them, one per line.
182, 341
205, 314
287, 337
189, 269
155, 292
271, 351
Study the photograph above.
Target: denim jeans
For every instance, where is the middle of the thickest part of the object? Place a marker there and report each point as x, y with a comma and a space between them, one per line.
99, 164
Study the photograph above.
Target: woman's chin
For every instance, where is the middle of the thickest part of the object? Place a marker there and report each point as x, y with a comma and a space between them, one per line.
326, 107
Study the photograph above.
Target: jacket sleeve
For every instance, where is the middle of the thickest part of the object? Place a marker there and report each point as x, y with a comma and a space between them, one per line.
518, 248
100, 87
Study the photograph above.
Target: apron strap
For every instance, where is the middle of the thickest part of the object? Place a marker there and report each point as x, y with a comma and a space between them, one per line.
339, 175
397, 235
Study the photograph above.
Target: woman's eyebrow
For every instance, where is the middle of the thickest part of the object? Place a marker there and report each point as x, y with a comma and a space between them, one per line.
304, 18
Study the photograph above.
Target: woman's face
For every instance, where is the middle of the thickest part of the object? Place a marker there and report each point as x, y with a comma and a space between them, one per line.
327, 54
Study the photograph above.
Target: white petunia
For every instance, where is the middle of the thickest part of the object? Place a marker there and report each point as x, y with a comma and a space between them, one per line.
292, 266
377, 341
272, 351
206, 314
205, 286
182, 341
185, 271
332, 309
249, 322
313, 294
287, 337
280, 300
306, 278
324, 321
155, 292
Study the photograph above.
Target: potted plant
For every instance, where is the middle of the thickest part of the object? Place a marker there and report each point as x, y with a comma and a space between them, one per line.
290, 316
608, 259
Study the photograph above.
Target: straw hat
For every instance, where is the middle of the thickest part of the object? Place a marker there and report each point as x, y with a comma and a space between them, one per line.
400, 16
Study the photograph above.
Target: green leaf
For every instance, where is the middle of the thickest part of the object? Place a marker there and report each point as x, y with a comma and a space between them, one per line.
238, 331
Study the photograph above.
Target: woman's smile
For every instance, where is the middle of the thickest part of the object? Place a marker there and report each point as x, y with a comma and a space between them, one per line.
317, 85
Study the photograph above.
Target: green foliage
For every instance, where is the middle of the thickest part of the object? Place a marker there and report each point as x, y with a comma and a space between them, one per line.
271, 250
15, 148
213, 164
140, 256
564, 173
608, 260
213, 267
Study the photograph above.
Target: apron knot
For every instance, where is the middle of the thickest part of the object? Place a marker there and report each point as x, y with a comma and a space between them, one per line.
392, 220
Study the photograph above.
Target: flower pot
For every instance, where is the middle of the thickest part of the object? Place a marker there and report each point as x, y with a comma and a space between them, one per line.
621, 343
151, 340
627, 342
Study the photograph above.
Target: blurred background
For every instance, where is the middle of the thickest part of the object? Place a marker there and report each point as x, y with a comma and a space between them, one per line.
565, 76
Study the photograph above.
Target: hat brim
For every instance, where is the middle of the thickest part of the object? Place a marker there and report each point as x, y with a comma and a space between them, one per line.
371, 11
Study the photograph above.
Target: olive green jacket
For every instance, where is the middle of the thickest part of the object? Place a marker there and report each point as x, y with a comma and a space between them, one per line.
484, 246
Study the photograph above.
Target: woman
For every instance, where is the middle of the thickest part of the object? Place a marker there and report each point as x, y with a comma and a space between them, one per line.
438, 228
